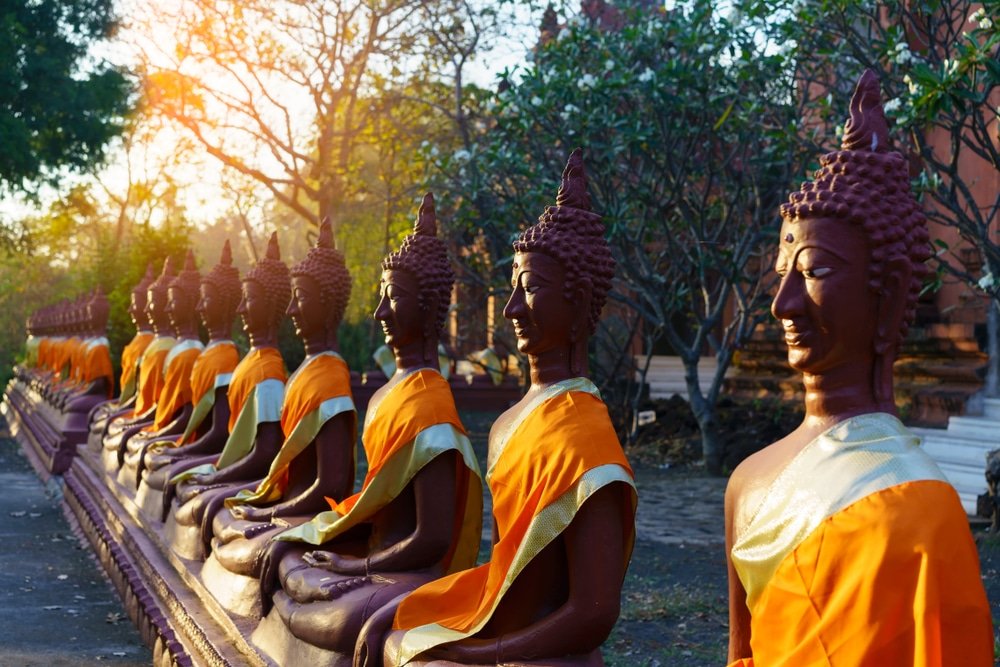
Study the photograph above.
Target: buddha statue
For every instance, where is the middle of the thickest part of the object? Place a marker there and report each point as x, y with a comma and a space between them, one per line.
173, 404
563, 495
255, 398
94, 376
418, 514
131, 353
151, 375
844, 535
207, 428
319, 424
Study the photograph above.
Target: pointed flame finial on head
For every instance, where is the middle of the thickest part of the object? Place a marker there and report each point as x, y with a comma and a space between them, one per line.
189, 261
867, 128
426, 224
150, 272
573, 188
226, 258
168, 267
325, 239
273, 251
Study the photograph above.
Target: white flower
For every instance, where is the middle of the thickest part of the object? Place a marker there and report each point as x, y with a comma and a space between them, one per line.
977, 15
891, 106
950, 65
986, 282
986, 23
536, 101
568, 111
434, 151
903, 54
587, 81
609, 65
911, 84
646, 76
461, 155
704, 48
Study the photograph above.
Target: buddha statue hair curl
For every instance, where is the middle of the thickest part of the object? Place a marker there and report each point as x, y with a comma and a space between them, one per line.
425, 256
868, 185
188, 280
325, 264
226, 280
162, 283
572, 234
272, 274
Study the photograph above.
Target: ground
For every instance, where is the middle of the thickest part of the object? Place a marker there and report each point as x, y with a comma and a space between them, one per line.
56, 608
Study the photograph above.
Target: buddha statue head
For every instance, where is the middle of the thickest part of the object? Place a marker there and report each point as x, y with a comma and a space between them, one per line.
266, 290
137, 300
156, 299
182, 297
220, 295
321, 288
98, 310
851, 257
562, 272
415, 291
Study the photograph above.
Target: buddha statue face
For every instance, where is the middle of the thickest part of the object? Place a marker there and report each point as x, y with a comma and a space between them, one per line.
306, 308
254, 309
542, 316
399, 310
825, 303
137, 310
180, 309
209, 306
156, 309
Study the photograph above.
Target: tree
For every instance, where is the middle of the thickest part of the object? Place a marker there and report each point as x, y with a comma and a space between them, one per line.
688, 126
939, 65
59, 104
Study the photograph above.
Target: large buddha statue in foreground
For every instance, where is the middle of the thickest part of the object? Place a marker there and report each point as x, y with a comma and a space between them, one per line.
846, 544
319, 424
418, 514
563, 495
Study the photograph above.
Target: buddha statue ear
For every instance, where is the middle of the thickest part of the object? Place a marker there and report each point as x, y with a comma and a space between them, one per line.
431, 330
896, 276
579, 331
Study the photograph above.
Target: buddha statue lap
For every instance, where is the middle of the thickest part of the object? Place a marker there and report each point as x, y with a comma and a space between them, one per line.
151, 378
101, 414
319, 423
206, 429
173, 404
255, 398
418, 514
563, 494
845, 542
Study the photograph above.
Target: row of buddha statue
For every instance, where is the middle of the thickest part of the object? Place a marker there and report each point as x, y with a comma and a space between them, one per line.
246, 473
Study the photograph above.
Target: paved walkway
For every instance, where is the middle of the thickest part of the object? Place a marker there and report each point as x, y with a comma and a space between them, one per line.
680, 507
56, 607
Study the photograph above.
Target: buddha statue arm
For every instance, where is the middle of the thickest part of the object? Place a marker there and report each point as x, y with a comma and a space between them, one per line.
255, 464
334, 447
212, 441
594, 562
174, 427
739, 614
434, 494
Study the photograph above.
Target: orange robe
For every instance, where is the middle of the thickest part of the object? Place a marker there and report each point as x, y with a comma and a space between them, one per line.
96, 364
559, 450
318, 391
414, 423
176, 390
151, 378
131, 354
862, 557
212, 370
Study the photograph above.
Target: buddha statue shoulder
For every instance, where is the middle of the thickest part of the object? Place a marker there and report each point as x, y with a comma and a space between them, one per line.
418, 514
316, 460
851, 259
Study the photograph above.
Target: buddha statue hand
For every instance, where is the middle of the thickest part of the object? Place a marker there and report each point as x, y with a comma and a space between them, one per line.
269, 578
334, 562
251, 513
336, 587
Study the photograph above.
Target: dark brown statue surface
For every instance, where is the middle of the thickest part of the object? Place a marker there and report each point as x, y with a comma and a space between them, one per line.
897, 568
419, 511
563, 493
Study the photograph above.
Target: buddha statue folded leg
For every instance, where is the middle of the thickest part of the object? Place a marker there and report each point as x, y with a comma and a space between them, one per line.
113, 446
188, 531
394, 639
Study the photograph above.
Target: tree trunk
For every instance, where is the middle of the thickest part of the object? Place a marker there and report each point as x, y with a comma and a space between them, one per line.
992, 388
705, 414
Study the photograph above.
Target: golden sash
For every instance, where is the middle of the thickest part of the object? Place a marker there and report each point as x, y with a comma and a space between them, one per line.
212, 369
